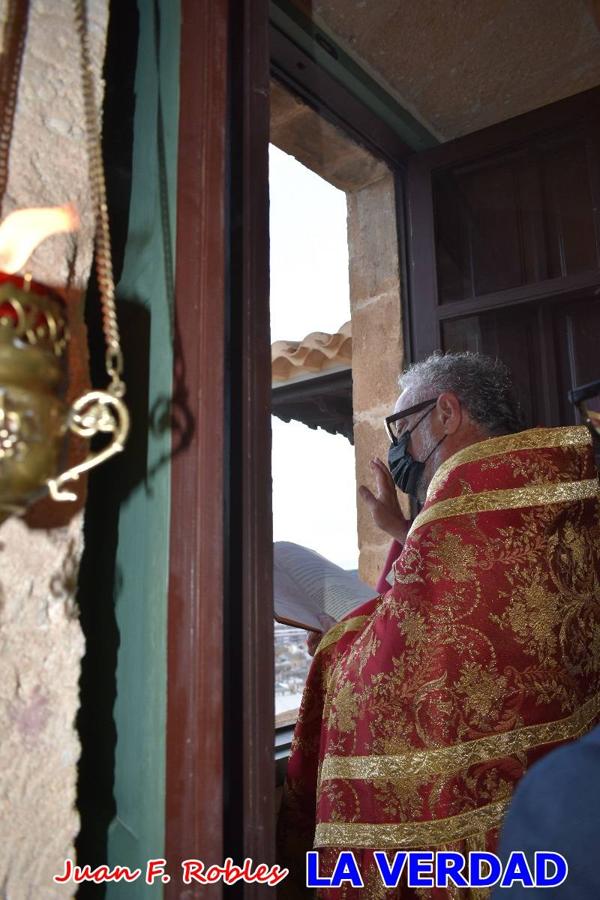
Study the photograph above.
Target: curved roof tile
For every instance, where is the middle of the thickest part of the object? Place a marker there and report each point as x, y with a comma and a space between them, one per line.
316, 352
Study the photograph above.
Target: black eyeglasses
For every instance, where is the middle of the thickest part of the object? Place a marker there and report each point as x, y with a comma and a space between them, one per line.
403, 414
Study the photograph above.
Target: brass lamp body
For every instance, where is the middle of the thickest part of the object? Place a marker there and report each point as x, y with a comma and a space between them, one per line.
34, 416
33, 412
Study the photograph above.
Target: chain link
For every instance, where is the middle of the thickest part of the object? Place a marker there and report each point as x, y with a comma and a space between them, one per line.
15, 31
103, 255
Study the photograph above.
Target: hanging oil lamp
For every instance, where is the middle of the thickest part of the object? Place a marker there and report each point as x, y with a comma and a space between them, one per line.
34, 415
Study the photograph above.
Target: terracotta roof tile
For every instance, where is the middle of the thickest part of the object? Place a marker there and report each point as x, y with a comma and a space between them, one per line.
317, 352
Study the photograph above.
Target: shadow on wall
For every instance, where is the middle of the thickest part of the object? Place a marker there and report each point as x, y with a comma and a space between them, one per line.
98, 590
98, 579
110, 486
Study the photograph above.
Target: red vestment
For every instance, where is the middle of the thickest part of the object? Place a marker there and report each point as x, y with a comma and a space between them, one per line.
424, 708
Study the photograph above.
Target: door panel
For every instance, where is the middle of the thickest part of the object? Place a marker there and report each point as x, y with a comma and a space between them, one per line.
510, 335
478, 230
577, 341
572, 244
515, 219
503, 231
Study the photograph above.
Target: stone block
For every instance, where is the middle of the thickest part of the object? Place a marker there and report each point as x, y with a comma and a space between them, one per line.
377, 352
371, 561
284, 106
372, 241
320, 146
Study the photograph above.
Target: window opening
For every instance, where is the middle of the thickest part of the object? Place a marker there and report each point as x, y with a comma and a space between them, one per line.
314, 491
335, 291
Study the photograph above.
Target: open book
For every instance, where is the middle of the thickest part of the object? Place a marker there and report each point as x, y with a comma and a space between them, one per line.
306, 585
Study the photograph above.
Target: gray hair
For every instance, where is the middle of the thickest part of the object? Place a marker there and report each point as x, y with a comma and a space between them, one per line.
482, 384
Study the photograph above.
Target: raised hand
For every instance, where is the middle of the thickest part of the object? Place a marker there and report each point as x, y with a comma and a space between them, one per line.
383, 504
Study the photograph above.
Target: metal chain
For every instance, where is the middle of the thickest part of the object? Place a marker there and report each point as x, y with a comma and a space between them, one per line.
104, 270
15, 30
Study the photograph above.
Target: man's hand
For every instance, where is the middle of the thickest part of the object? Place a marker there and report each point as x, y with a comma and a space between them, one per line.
383, 504
314, 637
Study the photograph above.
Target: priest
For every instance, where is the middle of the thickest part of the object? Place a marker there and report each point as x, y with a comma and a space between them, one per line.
423, 709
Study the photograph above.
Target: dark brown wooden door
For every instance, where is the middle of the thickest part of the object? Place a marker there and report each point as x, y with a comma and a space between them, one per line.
220, 766
504, 250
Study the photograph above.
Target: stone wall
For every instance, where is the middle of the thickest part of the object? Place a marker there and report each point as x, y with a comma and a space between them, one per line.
375, 300
317, 144
377, 351
41, 643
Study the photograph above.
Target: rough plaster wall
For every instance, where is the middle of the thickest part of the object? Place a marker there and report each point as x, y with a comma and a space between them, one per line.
459, 66
377, 353
41, 642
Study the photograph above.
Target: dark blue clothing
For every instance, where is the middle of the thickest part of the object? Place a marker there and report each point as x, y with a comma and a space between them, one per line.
557, 807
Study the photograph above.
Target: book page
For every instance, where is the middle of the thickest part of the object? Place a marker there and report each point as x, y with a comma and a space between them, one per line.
291, 607
307, 584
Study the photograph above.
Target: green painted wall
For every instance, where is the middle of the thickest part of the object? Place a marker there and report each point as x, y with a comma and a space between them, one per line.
137, 831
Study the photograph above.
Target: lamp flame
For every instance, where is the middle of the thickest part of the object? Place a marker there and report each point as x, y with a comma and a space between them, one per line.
22, 231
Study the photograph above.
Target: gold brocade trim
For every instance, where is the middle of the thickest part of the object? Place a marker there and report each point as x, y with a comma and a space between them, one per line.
335, 633
511, 498
447, 760
410, 834
533, 439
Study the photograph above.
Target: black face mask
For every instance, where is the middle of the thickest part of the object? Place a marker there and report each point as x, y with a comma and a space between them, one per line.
406, 470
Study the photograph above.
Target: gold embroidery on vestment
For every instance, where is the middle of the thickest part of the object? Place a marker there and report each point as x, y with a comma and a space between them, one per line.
483, 688
512, 498
345, 710
452, 559
382, 836
532, 439
447, 760
533, 613
336, 632
472, 600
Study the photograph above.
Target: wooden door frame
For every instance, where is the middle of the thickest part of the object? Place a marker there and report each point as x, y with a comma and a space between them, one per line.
220, 775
